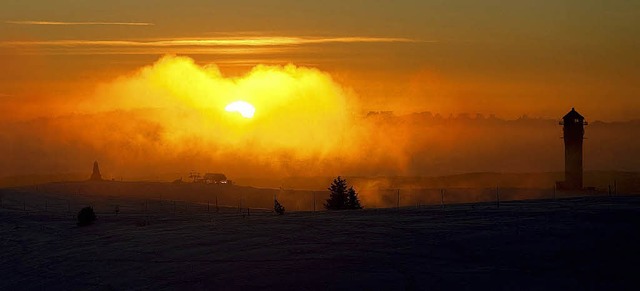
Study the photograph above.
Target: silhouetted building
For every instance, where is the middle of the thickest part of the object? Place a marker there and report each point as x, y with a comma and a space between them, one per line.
96, 176
573, 130
215, 178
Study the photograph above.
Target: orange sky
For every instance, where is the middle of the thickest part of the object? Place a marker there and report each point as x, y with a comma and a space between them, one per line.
306, 65
531, 57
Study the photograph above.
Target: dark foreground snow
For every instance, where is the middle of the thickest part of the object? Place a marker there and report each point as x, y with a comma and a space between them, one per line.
590, 243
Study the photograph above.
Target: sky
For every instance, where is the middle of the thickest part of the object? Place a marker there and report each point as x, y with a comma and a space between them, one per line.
325, 62
507, 58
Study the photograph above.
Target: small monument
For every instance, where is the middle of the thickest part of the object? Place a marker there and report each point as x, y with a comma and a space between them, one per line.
95, 176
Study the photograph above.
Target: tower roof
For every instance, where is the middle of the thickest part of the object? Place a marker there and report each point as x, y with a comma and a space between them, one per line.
573, 115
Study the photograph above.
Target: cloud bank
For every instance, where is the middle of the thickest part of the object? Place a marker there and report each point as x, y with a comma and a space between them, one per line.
169, 118
172, 115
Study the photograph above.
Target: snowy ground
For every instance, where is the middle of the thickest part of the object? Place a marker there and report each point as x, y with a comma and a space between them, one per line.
577, 243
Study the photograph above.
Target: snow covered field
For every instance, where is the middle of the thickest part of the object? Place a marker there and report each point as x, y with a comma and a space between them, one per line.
576, 243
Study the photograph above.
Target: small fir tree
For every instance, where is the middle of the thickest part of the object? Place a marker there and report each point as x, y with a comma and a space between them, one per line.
277, 207
338, 197
352, 199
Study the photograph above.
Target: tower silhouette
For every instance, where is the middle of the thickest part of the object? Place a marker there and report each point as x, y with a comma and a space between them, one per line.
96, 176
573, 130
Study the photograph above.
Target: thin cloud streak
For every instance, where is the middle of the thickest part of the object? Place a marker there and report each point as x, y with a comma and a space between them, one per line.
151, 51
228, 41
33, 22
214, 45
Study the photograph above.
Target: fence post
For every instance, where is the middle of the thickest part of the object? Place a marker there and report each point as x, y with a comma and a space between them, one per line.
398, 201
497, 197
442, 198
314, 201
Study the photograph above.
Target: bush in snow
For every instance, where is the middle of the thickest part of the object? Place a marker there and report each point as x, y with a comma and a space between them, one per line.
86, 216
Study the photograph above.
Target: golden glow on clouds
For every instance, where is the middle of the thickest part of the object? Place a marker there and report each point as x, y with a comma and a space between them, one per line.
244, 108
32, 22
170, 117
298, 107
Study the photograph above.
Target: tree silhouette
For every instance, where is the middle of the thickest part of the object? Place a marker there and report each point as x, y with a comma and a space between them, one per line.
341, 197
277, 207
352, 199
338, 197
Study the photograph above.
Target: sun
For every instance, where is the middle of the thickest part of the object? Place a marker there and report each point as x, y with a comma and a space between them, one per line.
244, 108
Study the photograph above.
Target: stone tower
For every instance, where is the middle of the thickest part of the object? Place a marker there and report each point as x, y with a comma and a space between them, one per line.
95, 176
573, 129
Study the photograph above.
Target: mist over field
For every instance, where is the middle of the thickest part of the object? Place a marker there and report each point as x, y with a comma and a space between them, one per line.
166, 120
135, 145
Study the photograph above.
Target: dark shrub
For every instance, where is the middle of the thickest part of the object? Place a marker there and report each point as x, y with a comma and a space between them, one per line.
86, 216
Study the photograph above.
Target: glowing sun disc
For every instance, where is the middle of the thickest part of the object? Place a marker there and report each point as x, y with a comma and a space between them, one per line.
244, 108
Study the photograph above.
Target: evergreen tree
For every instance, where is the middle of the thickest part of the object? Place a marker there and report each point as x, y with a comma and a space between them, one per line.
338, 197
352, 199
277, 207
